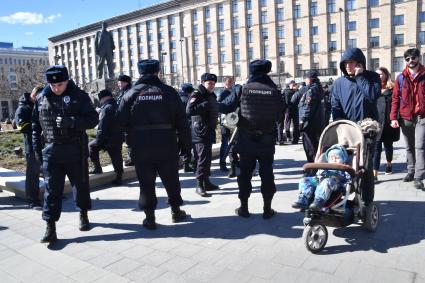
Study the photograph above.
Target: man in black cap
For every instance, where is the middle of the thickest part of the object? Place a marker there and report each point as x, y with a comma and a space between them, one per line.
124, 85
291, 113
312, 115
109, 137
63, 112
203, 110
152, 112
186, 156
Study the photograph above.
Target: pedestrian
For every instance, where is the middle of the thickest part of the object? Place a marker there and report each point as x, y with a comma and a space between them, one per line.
109, 137
124, 85
327, 102
152, 112
408, 112
388, 134
354, 98
203, 110
63, 112
311, 114
291, 114
23, 117
186, 156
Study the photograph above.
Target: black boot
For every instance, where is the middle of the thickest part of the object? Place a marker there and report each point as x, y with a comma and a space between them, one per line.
210, 186
177, 214
200, 189
118, 179
84, 221
243, 211
232, 172
188, 168
50, 235
268, 212
149, 221
97, 169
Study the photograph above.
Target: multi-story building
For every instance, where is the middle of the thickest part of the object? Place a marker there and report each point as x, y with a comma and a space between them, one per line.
223, 36
20, 70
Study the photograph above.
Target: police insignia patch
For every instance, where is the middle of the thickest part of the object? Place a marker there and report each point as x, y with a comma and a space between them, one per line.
192, 100
66, 99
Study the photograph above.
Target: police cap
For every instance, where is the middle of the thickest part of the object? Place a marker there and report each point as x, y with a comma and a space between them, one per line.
187, 87
56, 74
148, 66
312, 74
208, 77
260, 66
104, 93
124, 78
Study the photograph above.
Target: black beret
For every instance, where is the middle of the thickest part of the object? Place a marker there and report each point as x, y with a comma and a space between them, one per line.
312, 74
56, 74
187, 87
124, 78
260, 66
104, 93
148, 66
208, 77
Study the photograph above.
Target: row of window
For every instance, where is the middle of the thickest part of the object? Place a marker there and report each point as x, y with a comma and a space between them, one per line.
14, 61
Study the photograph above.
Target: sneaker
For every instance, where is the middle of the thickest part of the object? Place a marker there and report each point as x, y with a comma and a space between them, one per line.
300, 203
178, 216
389, 169
242, 212
409, 177
317, 204
417, 183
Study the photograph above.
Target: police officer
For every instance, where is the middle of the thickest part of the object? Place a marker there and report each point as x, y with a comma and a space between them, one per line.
152, 111
63, 112
260, 108
109, 137
124, 85
312, 116
203, 110
23, 117
291, 113
186, 157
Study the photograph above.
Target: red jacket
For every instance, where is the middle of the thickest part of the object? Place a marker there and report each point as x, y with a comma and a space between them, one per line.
412, 93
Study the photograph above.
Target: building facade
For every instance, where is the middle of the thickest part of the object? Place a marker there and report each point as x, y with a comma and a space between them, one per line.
20, 70
222, 37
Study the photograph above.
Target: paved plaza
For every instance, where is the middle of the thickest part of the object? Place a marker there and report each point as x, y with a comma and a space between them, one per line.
214, 245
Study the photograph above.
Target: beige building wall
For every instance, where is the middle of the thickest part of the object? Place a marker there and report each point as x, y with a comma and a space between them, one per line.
313, 37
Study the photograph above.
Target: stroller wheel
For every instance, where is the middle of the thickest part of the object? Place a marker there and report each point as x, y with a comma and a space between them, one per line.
371, 217
315, 237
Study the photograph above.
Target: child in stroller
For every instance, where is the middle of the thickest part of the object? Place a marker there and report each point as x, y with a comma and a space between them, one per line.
326, 181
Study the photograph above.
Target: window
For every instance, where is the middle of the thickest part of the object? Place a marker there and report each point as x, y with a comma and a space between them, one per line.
374, 23
161, 35
297, 11
332, 45
298, 49
207, 12
221, 25
235, 22
237, 55
298, 68
197, 60
421, 37
297, 32
161, 46
264, 17
207, 27
148, 25
222, 56
352, 25
195, 29
398, 20
280, 14
332, 28
171, 20
397, 1
209, 58
373, 3
236, 38
195, 15
265, 52
174, 68
333, 64
422, 16
172, 32
374, 63
250, 53
313, 8
196, 45
173, 44
249, 20
314, 65
221, 41
314, 30
248, 4
220, 9
173, 56
209, 44
398, 39
314, 47
351, 4
352, 43
281, 49
263, 3
331, 6
237, 70
374, 41
279, 1
264, 33
398, 64
280, 32
250, 36
235, 6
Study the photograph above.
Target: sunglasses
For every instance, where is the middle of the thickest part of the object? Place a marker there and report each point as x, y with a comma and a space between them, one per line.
410, 58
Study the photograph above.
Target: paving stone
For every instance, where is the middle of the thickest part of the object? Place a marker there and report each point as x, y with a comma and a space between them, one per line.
123, 266
177, 265
144, 273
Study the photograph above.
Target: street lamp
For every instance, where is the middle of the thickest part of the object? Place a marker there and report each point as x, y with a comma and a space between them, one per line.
265, 37
341, 28
181, 54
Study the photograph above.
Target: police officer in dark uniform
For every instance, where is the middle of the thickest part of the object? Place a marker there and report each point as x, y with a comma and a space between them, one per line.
291, 113
63, 112
260, 108
152, 111
124, 85
109, 137
312, 116
186, 156
203, 110
23, 118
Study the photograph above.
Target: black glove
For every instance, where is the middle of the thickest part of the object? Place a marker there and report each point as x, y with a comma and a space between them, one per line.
65, 122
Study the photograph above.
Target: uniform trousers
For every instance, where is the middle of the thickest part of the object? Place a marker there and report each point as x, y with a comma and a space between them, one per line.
114, 152
203, 154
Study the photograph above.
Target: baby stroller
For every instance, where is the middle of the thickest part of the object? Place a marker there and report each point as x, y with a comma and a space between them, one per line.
347, 207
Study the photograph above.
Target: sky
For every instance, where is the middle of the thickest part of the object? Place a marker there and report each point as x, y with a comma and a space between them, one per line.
32, 22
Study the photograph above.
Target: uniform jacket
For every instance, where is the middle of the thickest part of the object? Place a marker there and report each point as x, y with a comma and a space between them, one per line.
108, 130
152, 112
23, 116
403, 103
389, 134
122, 92
287, 94
354, 98
62, 145
203, 110
311, 109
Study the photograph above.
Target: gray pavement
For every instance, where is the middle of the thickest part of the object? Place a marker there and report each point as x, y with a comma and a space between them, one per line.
214, 245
